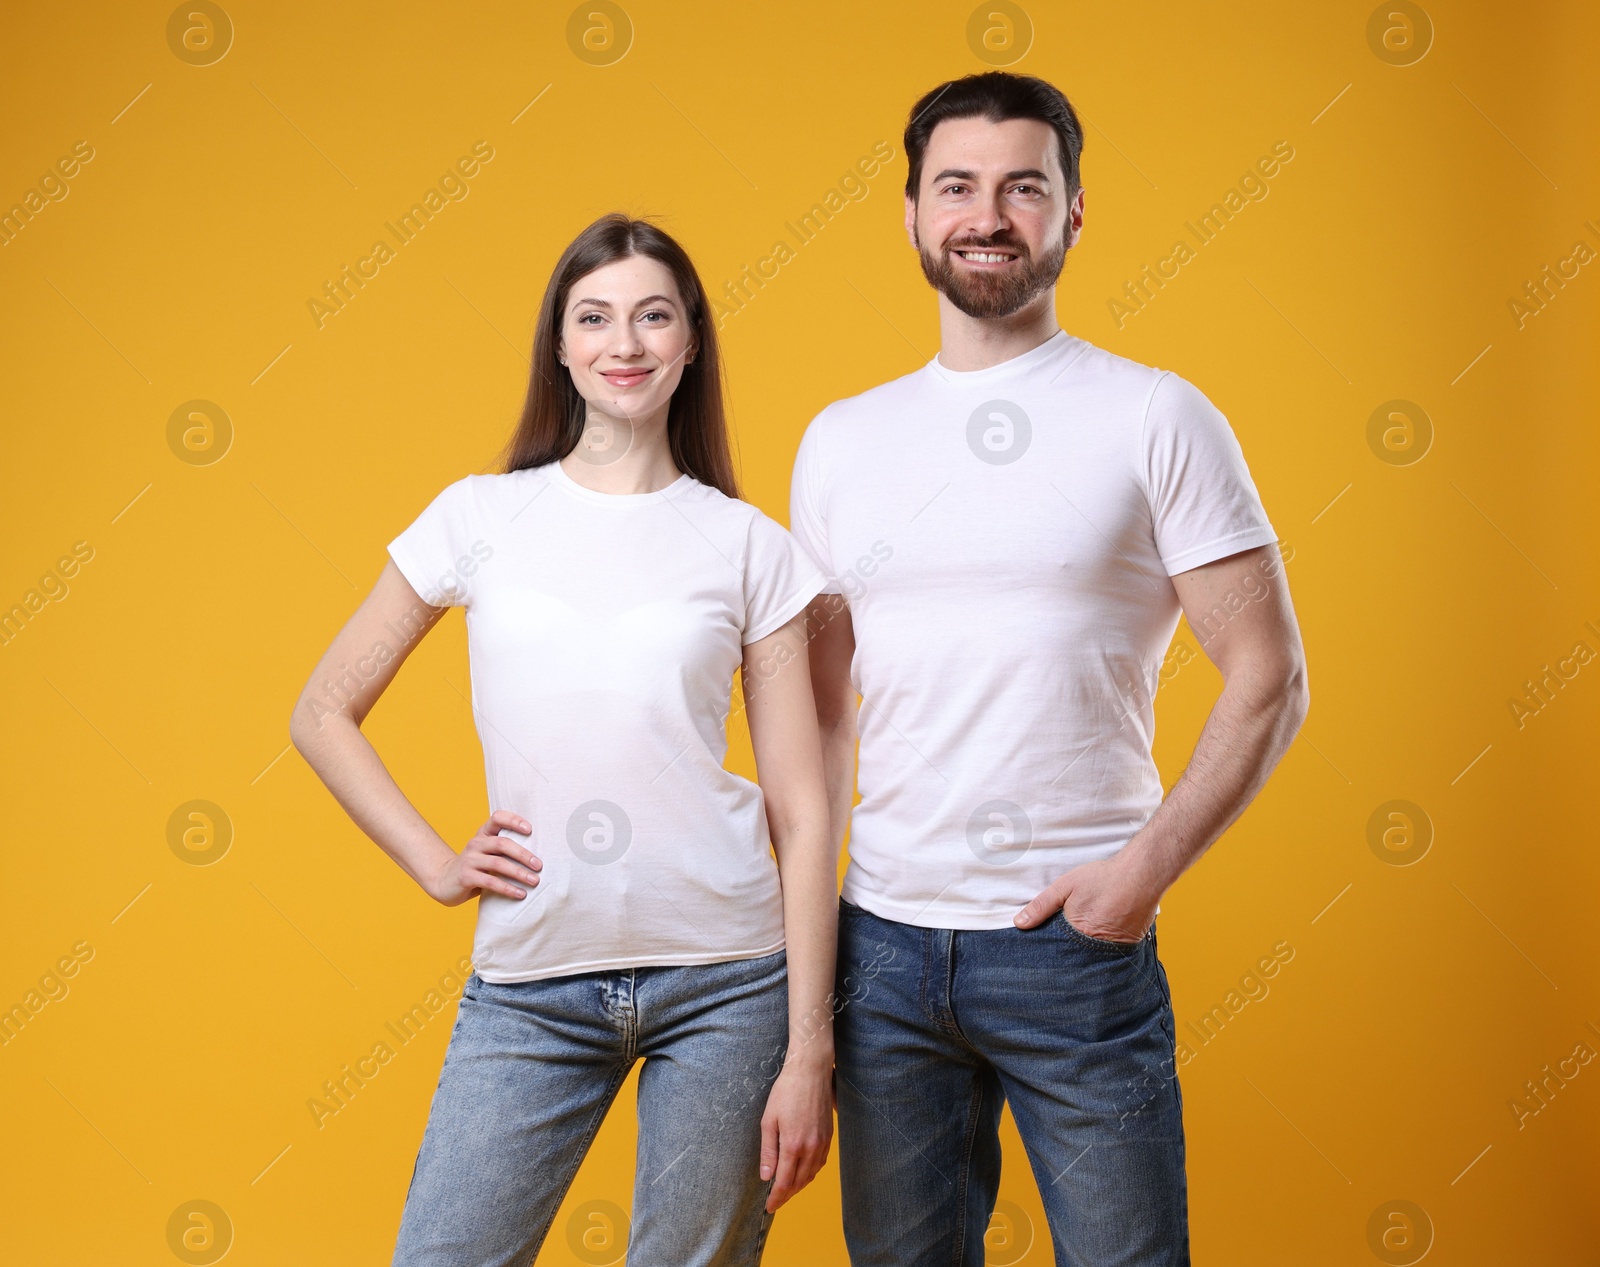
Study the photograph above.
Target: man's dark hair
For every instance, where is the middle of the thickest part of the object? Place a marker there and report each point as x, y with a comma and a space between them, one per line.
995, 96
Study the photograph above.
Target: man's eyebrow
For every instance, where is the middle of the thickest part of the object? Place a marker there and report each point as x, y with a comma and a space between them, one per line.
962, 173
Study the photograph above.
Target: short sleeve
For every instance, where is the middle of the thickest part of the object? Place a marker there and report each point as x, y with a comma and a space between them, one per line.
435, 553
779, 579
1203, 503
806, 521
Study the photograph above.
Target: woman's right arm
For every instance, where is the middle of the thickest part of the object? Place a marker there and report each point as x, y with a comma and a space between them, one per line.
325, 728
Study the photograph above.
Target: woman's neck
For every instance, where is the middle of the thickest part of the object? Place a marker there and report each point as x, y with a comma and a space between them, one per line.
621, 455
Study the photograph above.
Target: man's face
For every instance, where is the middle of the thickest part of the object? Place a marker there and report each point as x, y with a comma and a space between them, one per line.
992, 222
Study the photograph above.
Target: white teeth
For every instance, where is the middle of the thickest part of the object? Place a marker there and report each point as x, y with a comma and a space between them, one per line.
983, 257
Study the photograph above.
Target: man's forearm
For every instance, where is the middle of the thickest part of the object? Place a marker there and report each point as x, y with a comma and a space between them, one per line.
1250, 727
839, 774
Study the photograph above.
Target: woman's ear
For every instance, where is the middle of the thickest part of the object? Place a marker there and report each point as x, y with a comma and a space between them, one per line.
561, 350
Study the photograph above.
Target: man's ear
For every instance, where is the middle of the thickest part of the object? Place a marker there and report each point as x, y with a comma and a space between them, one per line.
1075, 214
911, 222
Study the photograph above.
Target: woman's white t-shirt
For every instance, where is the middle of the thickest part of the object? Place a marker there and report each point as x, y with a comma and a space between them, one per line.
603, 631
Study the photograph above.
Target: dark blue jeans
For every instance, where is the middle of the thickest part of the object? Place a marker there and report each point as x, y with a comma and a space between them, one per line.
938, 1029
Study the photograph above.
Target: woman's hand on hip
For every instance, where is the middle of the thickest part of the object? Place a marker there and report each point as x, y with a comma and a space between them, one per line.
797, 1127
488, 864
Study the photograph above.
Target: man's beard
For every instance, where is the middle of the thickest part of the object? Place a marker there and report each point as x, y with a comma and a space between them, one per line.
988, 295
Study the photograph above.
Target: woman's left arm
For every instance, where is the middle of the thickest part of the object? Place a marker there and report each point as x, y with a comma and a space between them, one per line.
797, 1127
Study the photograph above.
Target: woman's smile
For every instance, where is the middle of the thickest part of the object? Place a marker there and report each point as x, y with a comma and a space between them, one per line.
630, 376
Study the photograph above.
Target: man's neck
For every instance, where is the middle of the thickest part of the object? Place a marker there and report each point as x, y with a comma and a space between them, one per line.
976, 343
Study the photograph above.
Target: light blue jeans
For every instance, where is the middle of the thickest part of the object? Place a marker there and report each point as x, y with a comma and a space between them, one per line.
528, 1076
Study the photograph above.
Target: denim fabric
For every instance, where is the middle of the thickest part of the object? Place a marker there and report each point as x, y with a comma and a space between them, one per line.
528, 1076
940, 1028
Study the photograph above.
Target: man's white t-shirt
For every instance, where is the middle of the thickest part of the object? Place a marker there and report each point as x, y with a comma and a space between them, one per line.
1004, 538
603, 631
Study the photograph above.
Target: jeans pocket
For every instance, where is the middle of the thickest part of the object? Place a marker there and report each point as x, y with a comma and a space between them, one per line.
1123, 947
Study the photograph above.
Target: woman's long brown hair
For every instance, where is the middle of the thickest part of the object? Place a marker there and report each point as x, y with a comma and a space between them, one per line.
554, 414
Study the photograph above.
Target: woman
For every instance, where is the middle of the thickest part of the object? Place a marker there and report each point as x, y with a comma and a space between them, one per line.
628, 905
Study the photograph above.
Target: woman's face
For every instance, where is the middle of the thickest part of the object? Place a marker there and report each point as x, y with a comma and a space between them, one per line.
625, 338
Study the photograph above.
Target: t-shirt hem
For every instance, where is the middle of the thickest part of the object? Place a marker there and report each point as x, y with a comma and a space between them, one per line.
955, 914
628, 961
796, 604
1221, 548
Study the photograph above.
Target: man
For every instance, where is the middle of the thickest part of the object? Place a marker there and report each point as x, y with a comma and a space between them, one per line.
1013, 529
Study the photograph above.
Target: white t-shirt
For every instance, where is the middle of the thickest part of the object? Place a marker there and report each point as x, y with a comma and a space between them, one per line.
1004, 538
603, 631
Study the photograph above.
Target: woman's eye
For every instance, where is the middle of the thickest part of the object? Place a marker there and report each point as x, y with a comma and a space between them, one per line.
584, 320
662, 315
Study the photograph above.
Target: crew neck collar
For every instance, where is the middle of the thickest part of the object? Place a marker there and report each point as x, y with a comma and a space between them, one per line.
558, 476
1058, 344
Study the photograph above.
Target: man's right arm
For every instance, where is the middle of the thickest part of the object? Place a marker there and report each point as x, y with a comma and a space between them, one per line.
832, 643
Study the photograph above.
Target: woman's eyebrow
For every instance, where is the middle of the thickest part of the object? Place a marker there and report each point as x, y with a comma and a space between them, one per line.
648, 299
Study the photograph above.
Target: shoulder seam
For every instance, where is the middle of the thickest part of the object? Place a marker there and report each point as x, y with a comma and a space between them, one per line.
1144, 432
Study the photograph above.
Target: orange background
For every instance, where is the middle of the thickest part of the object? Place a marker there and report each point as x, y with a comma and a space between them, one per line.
210, 1002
